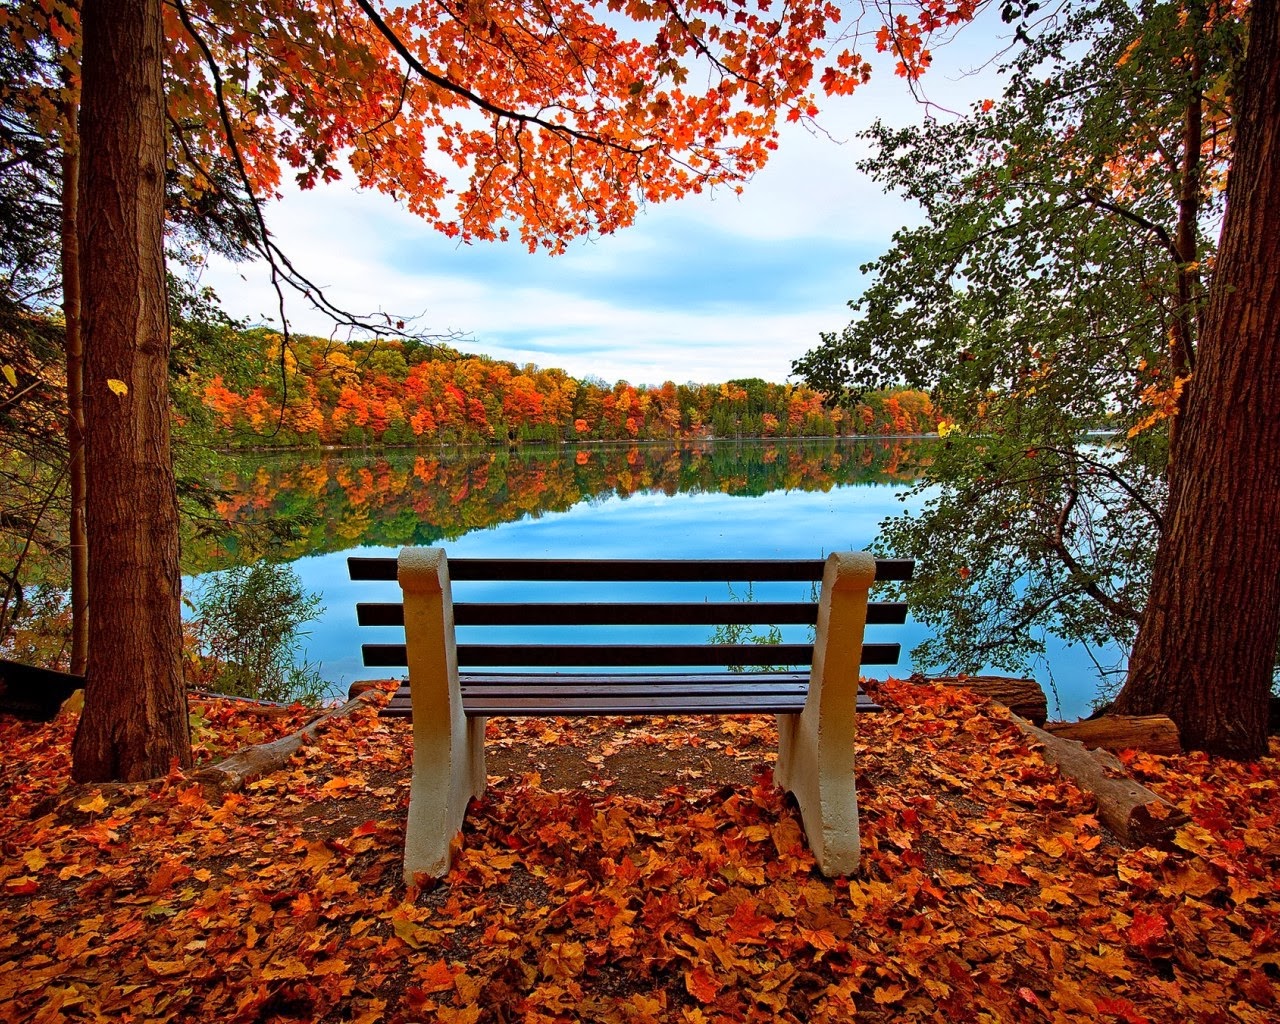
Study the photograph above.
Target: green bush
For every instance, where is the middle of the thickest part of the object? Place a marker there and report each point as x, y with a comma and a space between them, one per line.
248, 635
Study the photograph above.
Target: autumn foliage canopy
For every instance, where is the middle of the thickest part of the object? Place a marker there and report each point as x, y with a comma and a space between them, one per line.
480, 115
484, 118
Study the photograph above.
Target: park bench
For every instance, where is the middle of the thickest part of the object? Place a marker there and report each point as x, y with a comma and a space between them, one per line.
453, 686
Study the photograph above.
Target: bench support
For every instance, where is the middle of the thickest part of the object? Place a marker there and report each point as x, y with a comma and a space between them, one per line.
815, 747
448, 749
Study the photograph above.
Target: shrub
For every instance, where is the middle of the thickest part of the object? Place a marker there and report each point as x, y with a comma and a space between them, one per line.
247, 633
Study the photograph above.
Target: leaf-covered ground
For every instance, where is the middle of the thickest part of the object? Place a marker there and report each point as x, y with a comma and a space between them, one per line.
634, 871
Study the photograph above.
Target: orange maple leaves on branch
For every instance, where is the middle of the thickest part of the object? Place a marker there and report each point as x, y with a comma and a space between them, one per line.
561, 118
480, 115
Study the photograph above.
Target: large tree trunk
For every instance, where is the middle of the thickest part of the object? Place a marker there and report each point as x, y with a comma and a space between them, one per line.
1206, 647
134, 724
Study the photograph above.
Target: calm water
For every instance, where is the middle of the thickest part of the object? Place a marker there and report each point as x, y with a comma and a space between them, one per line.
727, 499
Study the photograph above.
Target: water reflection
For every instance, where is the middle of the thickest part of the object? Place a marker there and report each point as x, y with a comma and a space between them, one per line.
339, 500
727, 499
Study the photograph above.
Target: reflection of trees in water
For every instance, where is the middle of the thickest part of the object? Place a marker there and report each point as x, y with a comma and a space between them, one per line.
338, 500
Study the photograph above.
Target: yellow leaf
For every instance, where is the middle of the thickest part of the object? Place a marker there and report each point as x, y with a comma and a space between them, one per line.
1053, 846
164, 968
9, 375
466, 1015
118, 387
408, 932
95, 806
1195, 839
318, 855
888, 994
1056, 894
340, 783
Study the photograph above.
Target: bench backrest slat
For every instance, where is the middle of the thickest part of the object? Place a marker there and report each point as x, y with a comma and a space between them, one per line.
619, 655
474, 613
694, 570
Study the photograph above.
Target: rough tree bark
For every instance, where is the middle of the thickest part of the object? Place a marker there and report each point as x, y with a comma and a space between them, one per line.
1155, 734
1206, 647
134, 724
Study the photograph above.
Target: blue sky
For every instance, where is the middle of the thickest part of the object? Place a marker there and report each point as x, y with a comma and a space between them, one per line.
704, 289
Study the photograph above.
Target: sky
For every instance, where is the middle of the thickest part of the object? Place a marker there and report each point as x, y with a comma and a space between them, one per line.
704, 289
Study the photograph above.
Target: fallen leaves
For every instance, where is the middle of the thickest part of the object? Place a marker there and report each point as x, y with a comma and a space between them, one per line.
989, 891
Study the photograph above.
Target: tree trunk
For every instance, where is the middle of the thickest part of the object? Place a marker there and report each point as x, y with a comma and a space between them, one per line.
1206, 647
134, 724
75, 395
1187, 314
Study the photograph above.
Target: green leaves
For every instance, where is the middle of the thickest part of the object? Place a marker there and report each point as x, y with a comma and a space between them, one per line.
247, 629
1044, 304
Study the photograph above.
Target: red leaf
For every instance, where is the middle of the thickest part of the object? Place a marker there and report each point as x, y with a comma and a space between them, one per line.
745, 925
701, 984
1147, 930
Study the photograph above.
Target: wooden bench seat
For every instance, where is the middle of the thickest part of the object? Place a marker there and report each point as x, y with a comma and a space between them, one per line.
517, 694
470, 659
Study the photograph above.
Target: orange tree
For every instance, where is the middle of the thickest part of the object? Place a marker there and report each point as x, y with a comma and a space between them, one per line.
546, 121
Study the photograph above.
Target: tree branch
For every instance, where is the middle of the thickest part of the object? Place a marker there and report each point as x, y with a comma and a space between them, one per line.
1058, 544
1158, 230
282, 268
398, 44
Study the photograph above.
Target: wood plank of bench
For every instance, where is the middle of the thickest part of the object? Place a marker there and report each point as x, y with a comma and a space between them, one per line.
632, 613
728, 682
694, 570
531, 701
616, 655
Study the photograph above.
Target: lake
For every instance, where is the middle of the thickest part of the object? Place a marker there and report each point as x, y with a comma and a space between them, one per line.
708, 499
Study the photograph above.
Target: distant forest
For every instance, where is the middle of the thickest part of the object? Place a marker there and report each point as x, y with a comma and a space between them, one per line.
392, 392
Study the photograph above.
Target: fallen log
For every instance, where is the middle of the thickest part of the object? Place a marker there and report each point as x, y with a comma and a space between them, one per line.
235, 772
1137, 816
1154, 734
1023, 697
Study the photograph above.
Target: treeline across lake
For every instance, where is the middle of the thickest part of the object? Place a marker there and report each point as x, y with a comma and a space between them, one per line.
334, 501
319, 392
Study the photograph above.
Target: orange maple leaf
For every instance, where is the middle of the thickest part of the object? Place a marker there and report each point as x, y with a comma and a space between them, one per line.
435, 977
701, 984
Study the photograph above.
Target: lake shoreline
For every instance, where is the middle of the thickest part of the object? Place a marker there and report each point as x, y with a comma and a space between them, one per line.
562, 443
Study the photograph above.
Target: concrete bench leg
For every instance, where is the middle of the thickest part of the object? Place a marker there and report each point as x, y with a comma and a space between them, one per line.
448, 750
815, 752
